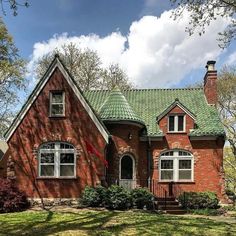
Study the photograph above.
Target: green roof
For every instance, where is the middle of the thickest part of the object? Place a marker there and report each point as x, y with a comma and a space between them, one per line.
117, 108
149, 103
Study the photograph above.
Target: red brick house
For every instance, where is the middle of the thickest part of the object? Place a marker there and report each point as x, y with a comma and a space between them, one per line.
163, 139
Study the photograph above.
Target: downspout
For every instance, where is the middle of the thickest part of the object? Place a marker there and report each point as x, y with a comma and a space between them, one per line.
149, 163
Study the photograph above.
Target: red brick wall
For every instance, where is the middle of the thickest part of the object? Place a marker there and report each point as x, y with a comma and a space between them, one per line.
208, 166
210, 87
37, 128
123, 145
163, 123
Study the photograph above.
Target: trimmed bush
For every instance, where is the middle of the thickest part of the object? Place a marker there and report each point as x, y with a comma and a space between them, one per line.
142, 197
94, 196
11, 199
118, 198
199, 200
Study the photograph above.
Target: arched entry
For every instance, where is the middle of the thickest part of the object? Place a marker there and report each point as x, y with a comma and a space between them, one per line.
127, 172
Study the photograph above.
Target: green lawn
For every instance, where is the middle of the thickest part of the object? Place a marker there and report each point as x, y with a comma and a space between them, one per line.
90, 222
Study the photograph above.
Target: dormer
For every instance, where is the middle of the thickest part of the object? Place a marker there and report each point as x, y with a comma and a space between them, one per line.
176, 119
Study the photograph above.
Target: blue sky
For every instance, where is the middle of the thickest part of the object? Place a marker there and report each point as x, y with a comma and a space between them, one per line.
138, 34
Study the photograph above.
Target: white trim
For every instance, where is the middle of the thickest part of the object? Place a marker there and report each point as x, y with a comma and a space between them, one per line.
133, 163
173, 105
57, 151
176, 123
56, 63
50, 103
176, 157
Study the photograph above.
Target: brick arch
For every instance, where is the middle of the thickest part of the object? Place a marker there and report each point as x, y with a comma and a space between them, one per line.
53, 138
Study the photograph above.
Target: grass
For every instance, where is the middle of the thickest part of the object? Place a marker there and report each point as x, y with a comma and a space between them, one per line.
91, 222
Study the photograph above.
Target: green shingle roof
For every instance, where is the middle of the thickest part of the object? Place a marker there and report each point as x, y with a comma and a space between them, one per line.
117, 108
149, 103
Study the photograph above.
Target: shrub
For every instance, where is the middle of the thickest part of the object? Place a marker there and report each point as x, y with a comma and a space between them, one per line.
94, 196
118, 198
11, 199
142, 197
199, 200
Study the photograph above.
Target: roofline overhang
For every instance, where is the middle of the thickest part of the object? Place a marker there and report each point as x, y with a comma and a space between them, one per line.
124, 122
174, 104
205, 137
151, 138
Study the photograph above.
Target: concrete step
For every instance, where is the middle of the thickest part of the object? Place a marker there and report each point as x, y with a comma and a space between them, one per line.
163, 199
176, 212
169, 207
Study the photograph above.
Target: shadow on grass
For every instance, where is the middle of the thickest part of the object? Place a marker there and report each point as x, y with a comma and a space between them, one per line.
109, 223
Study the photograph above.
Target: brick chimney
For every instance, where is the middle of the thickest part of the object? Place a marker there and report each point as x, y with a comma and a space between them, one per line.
210, 86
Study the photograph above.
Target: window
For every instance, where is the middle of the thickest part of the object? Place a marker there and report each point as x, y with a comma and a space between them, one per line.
57, 103
176, 123
57, 159
176, 166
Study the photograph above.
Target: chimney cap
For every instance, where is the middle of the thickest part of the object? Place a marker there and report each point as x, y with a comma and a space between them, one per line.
210, 66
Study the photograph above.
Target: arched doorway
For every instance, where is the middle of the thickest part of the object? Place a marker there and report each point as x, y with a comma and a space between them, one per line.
127, 172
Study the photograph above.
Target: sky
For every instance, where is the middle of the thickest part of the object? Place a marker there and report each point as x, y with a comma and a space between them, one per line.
139, 35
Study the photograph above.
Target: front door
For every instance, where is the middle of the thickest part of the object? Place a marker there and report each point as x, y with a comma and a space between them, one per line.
127, 172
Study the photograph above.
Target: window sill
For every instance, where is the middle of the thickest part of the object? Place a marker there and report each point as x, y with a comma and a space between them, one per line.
55, 178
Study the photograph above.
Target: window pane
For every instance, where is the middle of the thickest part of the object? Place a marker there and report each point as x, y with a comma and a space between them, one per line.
57, 97
47, 170
166, 164
67, 158
180, 123
67, 170
47, 158
166, 174
171, 123
66, 146
48, 146
182, 153
185, 174
171, 153
184, 164
57, 109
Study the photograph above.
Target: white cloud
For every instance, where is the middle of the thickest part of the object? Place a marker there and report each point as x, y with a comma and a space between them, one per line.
157, 52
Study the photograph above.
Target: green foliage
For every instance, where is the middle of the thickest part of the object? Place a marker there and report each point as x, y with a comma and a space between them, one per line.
199, 200
94, 197
12, 72
86, 68
142, 197
203, 12
118, 198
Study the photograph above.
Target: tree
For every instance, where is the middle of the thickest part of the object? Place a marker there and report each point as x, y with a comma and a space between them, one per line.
203, 12
13, 5
114, 76
230, 169
227, 109
85, 67
12, 71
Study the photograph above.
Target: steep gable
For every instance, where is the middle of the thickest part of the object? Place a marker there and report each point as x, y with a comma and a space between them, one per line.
57, 65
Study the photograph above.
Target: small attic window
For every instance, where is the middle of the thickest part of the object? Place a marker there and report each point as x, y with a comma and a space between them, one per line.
57, 103
176, 123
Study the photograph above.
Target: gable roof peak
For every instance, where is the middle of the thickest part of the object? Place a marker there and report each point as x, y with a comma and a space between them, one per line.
174, 104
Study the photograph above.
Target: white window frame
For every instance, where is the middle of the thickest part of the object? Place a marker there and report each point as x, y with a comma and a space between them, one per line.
176, 124
51, 103
57, 152
176, 158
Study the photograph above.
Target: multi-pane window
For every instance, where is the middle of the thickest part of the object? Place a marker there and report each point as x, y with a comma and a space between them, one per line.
176, 166
57, 159
57, 103
176, 123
